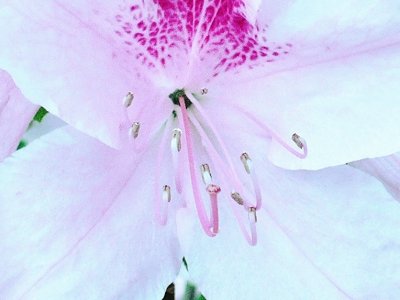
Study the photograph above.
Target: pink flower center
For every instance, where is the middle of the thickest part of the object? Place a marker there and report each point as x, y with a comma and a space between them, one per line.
191, 42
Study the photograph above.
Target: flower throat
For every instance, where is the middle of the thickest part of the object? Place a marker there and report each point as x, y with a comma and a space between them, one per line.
177, 94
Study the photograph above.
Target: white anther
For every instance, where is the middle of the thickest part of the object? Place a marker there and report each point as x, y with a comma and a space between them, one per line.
134, 130
204, 91
253, 215
206, 174
247, 163
128, 99
298, 140
166, 193
176, 139
238, 199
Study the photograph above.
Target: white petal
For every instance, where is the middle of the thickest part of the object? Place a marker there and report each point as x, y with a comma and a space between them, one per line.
329, 234
386, 169
77, 223
345, 108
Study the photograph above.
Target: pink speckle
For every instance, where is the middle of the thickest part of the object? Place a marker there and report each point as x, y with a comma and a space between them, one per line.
225, 35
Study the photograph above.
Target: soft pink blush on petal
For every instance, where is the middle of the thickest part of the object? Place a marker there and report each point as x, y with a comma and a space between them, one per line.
386, 169
334, 88
59, 55
77, 223
346, 109
330, 234
96, 53
15, 114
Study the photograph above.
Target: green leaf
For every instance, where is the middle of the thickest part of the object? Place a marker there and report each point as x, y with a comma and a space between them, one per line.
40, 114
22, 144
185, 264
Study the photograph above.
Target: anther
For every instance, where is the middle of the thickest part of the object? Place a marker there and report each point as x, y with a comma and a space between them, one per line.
204, 91
205, 173
253, 215
237, 198
128, 99
176, 139
245, 158
134, 130
298, 140
166, 193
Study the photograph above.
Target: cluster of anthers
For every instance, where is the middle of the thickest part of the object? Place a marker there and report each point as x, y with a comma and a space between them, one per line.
182, 139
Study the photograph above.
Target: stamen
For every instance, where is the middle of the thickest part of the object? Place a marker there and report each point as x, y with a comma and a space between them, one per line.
248, 165
205, 223
128, 99
270, 133
298, 140
176, 140
176, 146
206, 174
252, 237
237, 198
253, 221
245, 158
161, 198
213, 191
134, 130
204, 91
167, 193
253, 215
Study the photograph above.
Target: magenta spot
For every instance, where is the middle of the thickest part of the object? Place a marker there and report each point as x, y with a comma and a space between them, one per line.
168, 30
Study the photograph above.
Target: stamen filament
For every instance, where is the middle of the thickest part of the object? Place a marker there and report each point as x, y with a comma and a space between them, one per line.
276, 137
218, 161
161, 211
248, 165
250, 238
205, 223
175, 150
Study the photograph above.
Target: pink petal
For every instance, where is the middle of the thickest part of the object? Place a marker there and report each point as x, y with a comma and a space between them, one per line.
386, 169
77, 222
327, 234
15, 114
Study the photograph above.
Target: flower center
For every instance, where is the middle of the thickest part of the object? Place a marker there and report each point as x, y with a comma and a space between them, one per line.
191, 120
177, 94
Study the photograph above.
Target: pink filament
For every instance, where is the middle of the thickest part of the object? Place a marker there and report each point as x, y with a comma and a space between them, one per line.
205, 223
216, 159
177, 170
274, 135
160, 206
219, 139
257, 189
250, 238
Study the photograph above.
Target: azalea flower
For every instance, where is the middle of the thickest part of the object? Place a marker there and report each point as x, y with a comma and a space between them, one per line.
108, 206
